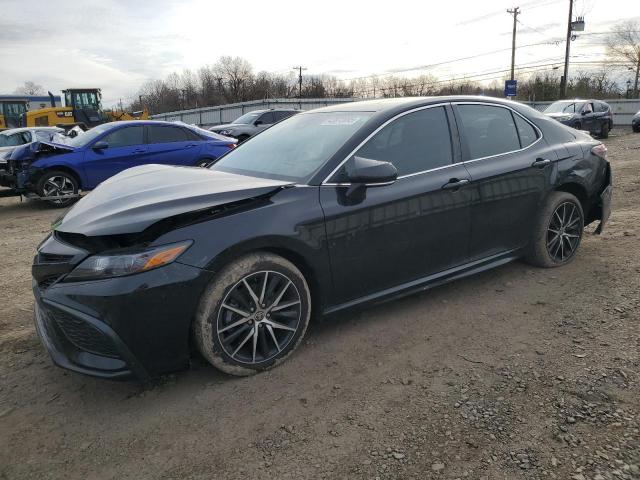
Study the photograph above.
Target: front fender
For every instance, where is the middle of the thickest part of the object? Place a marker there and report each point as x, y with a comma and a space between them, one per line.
70, 162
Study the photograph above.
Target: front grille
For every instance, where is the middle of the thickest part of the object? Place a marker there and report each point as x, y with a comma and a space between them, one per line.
84, 336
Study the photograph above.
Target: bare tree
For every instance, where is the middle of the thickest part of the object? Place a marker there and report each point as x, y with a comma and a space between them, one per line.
30, 88
236, 74
623, 45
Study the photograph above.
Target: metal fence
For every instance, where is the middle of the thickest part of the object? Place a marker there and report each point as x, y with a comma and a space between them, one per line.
623, 109
208, 116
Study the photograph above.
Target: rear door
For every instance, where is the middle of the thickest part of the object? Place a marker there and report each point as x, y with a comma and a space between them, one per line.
172, 145
510, 167
394, 234
125, 149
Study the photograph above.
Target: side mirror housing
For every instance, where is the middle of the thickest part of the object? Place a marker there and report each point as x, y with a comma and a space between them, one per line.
258, 122
100, 145
370, 172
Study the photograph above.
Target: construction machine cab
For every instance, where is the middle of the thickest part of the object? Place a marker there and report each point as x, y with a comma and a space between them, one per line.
86, 104
10, 111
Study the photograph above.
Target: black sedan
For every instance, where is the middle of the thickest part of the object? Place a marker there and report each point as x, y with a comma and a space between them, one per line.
327, 210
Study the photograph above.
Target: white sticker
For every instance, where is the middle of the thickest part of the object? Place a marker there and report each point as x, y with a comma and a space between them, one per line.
341, 121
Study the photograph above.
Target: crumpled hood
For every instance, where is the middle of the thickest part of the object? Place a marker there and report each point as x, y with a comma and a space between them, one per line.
140, 196
30, 151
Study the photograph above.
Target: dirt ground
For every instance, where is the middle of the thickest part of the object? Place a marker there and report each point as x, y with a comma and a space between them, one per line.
514, 373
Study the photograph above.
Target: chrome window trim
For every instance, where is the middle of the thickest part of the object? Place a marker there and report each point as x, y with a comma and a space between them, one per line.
443, 104
402, 114
506, 107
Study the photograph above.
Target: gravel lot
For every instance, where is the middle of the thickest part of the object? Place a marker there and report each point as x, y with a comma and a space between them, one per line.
515, 373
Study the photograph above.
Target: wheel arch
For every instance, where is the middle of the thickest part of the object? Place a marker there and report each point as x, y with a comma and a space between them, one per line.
296, 253
578, 191
61, 168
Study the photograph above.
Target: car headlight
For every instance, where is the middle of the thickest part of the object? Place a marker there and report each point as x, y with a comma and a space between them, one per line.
225, 132
116, 264
564, 118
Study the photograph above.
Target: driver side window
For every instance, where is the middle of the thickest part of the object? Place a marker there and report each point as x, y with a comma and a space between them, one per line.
415, 142
125, 137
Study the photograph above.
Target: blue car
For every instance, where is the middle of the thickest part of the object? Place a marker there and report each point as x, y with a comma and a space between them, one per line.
56, 172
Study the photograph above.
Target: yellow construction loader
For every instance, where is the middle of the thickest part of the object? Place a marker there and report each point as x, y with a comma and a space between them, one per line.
83, 108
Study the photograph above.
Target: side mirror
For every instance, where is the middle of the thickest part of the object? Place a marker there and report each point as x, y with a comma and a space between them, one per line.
258, 122
370, 172
100, 145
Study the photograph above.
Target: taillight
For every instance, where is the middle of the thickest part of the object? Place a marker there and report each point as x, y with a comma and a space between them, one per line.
600, 150
231, 145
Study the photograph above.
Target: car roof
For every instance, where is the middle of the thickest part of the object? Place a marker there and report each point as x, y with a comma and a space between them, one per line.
11, 131
384, 104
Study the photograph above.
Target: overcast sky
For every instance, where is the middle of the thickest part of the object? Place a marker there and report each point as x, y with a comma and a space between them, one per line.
118, 44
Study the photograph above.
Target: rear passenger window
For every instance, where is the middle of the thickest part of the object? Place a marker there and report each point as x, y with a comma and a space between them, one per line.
158, 134
489, 130
267, 118
281, 115
527, 133
125, 137
414, 143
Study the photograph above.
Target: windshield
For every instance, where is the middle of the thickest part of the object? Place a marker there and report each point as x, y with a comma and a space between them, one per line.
87, 137
13, 140
293, 149
564, 107
247, 118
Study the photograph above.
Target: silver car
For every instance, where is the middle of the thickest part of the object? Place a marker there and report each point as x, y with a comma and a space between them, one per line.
253, 122
14, 137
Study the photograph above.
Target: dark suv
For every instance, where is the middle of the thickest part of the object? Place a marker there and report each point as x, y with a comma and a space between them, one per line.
594, 116
253, 122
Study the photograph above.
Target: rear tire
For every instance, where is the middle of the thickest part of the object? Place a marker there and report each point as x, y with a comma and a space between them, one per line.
557, 232
253, 315
604, 130
577, 126
58, 183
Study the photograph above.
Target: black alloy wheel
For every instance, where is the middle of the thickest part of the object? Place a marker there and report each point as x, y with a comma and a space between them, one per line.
258, 317
564, 232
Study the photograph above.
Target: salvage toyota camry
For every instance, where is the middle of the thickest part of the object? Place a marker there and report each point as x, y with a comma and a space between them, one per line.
327, 210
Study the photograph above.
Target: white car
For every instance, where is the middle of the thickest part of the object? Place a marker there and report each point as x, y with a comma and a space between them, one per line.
14, 137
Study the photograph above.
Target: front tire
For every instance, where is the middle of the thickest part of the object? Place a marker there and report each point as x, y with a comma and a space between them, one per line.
557, 232
59, 184
253, 315
604, 130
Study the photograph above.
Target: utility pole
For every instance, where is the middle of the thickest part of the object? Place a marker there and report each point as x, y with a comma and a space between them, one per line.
515, 12
300, 69
565, 78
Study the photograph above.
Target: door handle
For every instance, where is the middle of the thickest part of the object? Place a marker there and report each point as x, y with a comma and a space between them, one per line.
139, 150
541, 162
189, 146
455, 184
